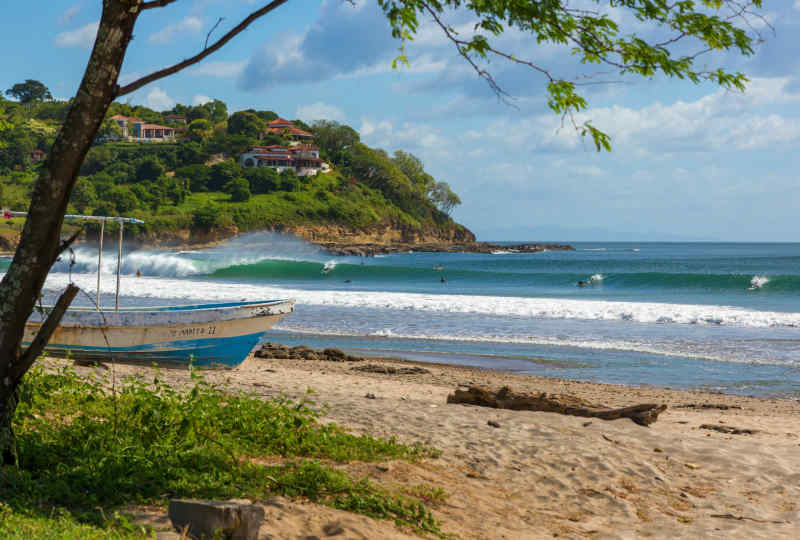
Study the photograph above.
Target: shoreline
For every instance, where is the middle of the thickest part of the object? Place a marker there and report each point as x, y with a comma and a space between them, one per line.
530, 475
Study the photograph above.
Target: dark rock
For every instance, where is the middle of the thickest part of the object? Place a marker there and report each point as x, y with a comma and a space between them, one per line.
390, 370
204, 519
333, 529
334, 354
493, 423
370, 395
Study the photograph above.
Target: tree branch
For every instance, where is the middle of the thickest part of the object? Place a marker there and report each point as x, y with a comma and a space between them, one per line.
43, 336
205, 45
155, 4
65, 244
135, 85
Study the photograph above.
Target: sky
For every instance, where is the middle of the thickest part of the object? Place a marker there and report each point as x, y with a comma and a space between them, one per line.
689, 162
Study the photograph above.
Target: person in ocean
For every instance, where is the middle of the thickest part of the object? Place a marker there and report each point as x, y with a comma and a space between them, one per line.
582, 283
139, 273
442, 280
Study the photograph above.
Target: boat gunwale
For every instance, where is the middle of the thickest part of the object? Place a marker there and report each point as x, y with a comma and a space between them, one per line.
188, 307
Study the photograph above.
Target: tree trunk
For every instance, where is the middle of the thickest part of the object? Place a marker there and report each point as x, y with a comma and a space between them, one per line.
39, 243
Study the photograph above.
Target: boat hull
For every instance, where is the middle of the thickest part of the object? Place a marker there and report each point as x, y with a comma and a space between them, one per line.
205, 335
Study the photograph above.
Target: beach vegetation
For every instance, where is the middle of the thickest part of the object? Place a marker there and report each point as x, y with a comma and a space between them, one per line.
89, 446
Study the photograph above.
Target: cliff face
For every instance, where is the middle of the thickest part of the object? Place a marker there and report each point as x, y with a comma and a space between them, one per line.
381, 235
386, 235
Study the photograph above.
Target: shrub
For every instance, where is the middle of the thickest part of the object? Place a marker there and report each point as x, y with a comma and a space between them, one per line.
239, 189
206, 217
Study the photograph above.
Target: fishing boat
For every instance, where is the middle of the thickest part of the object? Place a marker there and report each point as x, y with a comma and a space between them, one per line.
221, 334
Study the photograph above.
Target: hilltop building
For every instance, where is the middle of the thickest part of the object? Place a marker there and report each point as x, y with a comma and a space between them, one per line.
302, 158
140, 131
176, 118
287, 129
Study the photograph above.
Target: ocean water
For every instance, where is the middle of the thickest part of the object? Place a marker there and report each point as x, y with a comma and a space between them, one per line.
714, 316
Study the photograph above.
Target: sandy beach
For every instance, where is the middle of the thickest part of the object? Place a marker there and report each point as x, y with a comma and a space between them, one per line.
545, 475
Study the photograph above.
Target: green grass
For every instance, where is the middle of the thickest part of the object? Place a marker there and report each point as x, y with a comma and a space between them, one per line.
85, 452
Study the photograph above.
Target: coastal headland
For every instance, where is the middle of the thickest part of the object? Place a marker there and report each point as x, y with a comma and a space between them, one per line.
712, 466
333, 239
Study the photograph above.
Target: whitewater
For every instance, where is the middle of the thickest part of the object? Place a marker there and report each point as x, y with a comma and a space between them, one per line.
684, 315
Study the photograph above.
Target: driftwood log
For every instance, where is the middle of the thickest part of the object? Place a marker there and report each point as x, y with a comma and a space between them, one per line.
644, 414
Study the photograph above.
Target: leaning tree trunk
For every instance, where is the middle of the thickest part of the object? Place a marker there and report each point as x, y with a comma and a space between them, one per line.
39, 243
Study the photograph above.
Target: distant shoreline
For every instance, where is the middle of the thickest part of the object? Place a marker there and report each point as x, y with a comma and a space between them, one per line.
366, 249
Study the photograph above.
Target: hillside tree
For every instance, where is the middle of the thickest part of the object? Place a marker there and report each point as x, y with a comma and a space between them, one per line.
593, 36
29, 93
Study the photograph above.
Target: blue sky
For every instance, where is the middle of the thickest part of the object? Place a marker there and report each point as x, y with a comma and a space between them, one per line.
688, 161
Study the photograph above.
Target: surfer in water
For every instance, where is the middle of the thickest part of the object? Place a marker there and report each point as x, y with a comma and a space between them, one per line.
582, 283
442, 280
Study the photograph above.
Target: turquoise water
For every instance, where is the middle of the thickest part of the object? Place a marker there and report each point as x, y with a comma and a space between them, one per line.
670, 314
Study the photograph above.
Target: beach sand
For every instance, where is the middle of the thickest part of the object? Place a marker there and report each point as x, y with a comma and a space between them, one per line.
545, 475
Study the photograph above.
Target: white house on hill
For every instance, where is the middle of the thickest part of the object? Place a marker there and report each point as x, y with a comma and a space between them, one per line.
140, 131
302, 158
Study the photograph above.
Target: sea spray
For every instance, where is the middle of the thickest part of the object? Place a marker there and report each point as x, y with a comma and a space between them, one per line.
246, 249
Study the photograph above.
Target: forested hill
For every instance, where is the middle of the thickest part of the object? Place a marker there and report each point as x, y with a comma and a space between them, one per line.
193, 189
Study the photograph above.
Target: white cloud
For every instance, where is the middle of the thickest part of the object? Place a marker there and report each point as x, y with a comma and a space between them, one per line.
82, 37
718, 121
69, 14
200, 99
320, 111
188, 24
220, 69
158, 100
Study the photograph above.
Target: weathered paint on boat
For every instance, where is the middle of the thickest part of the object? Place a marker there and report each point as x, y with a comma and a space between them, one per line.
205, 334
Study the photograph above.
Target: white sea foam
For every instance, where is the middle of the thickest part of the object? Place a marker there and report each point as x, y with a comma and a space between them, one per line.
553, 308
759, 281
597, 277
597, 344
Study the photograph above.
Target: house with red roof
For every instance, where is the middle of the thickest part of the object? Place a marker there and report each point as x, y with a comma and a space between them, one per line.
140, 131
303, 159
285, 128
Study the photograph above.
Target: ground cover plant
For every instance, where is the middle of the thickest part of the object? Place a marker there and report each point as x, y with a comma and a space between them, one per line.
89, 446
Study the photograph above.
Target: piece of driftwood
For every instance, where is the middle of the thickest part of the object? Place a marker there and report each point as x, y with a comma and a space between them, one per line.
729, 429
707, 406
644, 414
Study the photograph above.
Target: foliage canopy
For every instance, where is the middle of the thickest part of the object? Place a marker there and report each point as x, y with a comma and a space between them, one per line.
683, 30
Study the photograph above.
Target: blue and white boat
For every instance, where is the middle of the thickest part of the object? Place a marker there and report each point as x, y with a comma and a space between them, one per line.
221, 334
204, 334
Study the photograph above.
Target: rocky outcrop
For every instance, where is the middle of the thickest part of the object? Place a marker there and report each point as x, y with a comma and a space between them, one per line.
370, 249
328, 234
